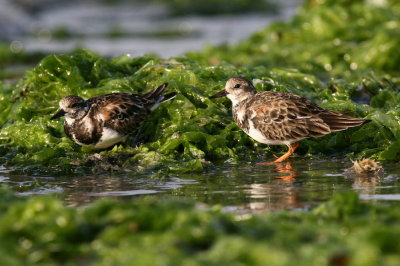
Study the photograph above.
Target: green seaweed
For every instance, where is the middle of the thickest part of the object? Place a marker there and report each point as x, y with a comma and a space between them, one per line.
147, 231
186, 134
13, 53
185, 7
192, 132
209, 7
14, 60
328, 38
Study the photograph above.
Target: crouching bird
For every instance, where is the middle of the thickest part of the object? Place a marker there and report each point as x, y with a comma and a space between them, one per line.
279, 118
106, 120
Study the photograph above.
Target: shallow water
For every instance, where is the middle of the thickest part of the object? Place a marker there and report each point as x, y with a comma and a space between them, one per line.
137, 28
299, 184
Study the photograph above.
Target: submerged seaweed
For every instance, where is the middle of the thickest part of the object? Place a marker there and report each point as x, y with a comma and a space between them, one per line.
319, 54
342, 231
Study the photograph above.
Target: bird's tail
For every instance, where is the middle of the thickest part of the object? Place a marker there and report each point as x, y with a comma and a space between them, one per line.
156, 96
338, 122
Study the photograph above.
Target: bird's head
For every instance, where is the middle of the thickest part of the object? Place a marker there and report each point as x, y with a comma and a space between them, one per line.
236, 89
73, 107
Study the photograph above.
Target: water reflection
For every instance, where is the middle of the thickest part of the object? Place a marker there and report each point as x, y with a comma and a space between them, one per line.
287, 170
282, 193
367, 184
273, 197
244, 188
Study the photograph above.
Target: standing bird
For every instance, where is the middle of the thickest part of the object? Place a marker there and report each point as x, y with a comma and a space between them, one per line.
105, 120
279, 118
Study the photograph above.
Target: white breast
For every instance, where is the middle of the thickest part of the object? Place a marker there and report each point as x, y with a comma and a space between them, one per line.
109, 138
240, 114
69, 121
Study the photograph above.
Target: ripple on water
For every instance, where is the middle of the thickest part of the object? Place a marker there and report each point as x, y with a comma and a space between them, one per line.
395, 197
3, 178
123, 193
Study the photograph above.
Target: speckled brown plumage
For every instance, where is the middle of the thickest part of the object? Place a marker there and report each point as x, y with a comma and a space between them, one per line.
287, 117
105, 120
122, 112
278, 118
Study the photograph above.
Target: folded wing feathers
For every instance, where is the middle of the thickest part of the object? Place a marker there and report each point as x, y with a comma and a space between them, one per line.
338, 122
317, 127
156, 92
155, 97
168, 96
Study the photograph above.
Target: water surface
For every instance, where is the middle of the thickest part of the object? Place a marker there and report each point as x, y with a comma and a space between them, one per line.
248, 187
136, 28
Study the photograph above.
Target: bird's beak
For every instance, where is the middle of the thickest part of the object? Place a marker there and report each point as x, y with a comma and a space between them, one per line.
219, 94
60, 113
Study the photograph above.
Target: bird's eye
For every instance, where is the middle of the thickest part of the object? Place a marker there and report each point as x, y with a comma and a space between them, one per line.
237, 86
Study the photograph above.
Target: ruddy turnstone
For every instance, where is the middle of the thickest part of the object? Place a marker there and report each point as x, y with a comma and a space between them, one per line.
279, 118
105, 120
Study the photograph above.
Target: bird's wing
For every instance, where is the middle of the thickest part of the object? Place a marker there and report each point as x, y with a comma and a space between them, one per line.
285, 117
122, 112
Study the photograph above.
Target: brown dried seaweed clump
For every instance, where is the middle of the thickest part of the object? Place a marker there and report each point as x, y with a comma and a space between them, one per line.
365, 166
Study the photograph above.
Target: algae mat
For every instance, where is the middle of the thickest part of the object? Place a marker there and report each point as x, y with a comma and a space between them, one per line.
342, 231
346, 67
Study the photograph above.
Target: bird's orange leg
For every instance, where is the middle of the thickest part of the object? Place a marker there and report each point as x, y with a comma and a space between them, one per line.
291, 150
